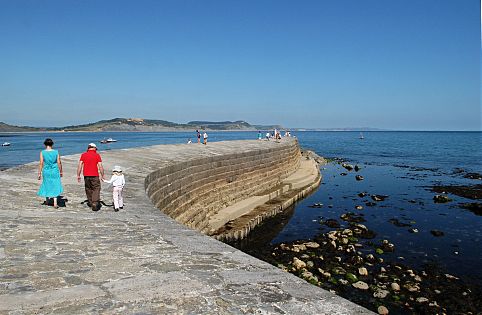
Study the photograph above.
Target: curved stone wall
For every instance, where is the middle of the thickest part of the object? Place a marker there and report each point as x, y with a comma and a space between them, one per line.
192, 191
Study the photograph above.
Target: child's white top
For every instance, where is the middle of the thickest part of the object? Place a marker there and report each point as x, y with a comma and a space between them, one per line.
116, 180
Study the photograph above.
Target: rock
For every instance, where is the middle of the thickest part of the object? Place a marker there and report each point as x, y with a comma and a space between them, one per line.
362, 271
344, 241
333, 243
397, 223
338, 271
475, 207
356, 260
316, 205
387, 247
348, 167
370, 258
473, 176
370, 204
413, 230
395, 286
310, 264
360, 285
343, 174
422, 300
298, 264
437, 233
382, 310
358, 207
311, 245
362, 194
359, 177
343, 281
380, 294
332, 223
441, 199
412, 287
383, 269
448, 276
347, 232
379, 197
357, 168
379, 251
437, 291
324, 273
351, 277
332, 235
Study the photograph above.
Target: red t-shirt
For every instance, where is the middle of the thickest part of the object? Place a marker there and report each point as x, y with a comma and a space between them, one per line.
90, 159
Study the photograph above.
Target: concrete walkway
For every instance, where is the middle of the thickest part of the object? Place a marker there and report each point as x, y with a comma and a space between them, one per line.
73, 260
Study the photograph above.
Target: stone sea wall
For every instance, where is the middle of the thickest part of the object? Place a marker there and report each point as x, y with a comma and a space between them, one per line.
192, 191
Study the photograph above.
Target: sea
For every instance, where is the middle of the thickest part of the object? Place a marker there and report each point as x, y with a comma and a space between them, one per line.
404, 166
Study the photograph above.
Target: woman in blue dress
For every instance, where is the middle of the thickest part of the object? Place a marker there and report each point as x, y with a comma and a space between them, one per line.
50, 171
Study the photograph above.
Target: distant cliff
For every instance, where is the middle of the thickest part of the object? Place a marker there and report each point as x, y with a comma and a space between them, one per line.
140, 124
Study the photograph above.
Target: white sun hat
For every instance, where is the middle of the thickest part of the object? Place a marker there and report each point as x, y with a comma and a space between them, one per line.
117, 168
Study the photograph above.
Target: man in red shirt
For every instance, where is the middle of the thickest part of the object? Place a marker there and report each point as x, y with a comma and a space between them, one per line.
91, 163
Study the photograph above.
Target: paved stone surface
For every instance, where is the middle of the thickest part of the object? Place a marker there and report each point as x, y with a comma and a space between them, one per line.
73, 260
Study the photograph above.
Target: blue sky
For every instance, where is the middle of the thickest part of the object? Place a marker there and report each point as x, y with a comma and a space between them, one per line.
408, 64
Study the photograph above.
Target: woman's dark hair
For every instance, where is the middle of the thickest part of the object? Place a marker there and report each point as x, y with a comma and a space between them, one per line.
48, 142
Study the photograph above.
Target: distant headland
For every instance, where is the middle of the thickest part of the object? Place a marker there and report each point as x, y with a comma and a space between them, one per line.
146, 125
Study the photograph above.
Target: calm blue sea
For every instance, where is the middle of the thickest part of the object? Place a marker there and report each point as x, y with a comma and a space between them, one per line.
402, 165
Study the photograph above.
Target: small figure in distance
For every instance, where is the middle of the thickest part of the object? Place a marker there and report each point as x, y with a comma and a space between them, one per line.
198, 136
118, 182
50, 171
268, 135
259, 135
205, 137
91, 164
189, 140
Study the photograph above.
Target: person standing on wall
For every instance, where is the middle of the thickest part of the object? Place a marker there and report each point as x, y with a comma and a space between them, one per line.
198, 136
91, 164
205, 137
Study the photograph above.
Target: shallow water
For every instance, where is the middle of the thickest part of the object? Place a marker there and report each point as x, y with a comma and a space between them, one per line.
402, 165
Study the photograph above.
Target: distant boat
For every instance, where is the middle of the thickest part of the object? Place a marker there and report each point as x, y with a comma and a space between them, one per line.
6, 144
361, 136
108, 140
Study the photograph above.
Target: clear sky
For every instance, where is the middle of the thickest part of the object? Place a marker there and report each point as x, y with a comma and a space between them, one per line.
399, 64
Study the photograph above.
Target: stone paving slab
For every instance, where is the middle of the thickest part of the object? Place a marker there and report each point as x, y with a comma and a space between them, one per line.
137, 261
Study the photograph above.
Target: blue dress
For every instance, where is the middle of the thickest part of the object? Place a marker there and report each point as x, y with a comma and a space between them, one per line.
51, 185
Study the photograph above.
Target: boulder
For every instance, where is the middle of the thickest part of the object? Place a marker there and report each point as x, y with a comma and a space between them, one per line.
382, 310
362, 271
380, 294
395, 286
298, 264
441, 199
360, 285
359, 177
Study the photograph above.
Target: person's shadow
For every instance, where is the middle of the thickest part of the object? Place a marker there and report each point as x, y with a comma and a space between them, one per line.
101, 203
61, 201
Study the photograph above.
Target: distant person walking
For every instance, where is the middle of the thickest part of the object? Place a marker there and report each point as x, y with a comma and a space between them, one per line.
50, 171
268, 136
259, 135
91, 164
118, 182
198, 136
205, 137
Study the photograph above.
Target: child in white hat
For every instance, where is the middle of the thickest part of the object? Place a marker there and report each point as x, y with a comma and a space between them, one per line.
118, 182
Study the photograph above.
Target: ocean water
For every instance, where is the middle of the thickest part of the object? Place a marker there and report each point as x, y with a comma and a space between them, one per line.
402, 165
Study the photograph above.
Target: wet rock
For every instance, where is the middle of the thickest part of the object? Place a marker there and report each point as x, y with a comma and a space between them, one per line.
397, 223
343, 174
298, 264
316, 205
387, 246
358, 207
382, 310
311, 245
362, 271
351, 277
413, 230
473, 176
422, 300
437, 233
338, 270
379, 251
395, 286
324, 273
362, 194
370, 258
352, 217
347, 166
449, 276
441, 199
379, 197
370, 204
357, 168
343, 281
380, 294
359, 177
475, 207
332, 223
310, 264
412, 287
360, 285
471, 192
